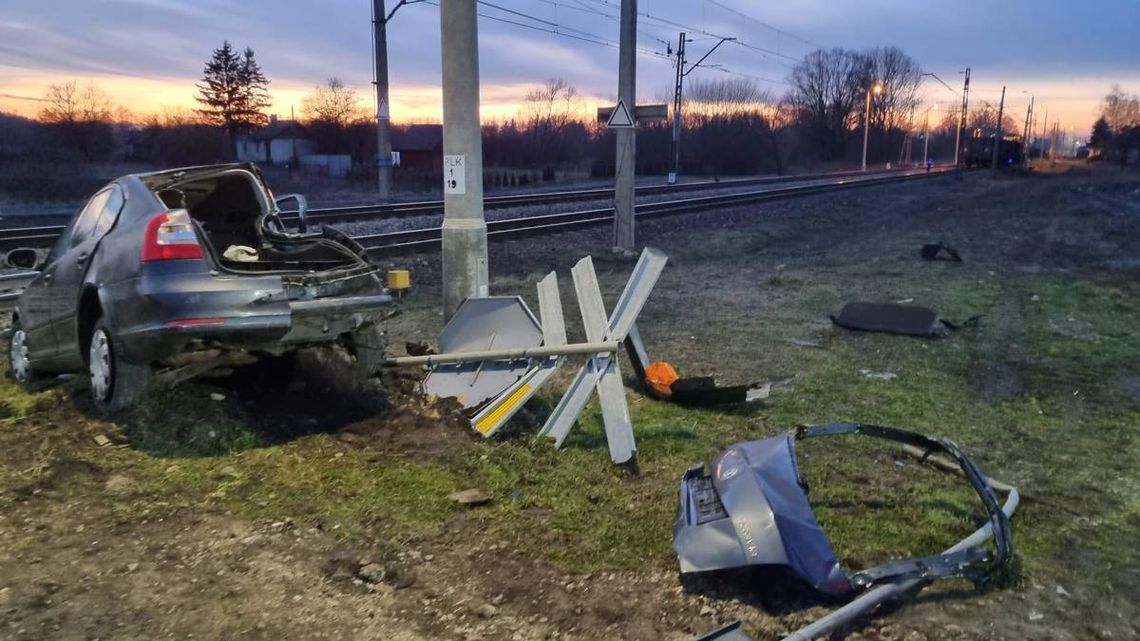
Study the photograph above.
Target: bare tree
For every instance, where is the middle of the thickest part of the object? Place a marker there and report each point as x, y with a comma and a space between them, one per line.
68, 103
983, 122
550, 117
551, 106
1121, 110
901, 77
827, 89
332, 102
725, 97
79, 118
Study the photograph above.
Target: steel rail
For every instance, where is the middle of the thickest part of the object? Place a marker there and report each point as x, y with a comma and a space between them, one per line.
427, 239
39, 236
418, 240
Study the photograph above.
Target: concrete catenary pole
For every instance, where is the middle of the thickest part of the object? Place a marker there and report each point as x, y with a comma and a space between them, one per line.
677, 98
383, 112
464, 230
962, 117
998, 133
626, 165
1025, 135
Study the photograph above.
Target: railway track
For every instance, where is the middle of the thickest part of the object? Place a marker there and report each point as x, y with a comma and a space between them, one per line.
417, 240
44, 235
428, 239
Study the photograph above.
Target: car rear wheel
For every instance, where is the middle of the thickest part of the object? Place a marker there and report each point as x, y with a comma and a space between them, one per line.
367, 346
116, 384
19, 365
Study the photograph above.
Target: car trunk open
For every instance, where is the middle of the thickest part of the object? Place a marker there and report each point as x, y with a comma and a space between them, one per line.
240, 228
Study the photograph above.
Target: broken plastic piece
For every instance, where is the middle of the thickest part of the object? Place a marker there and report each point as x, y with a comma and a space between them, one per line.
730, 632
753, 509
940, 251
892, 318
661, 380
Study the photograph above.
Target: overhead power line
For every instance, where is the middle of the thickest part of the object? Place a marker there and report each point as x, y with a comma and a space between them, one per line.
549, 26
761, 22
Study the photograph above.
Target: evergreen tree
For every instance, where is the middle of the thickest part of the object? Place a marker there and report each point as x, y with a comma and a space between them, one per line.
1101, 134
234, 92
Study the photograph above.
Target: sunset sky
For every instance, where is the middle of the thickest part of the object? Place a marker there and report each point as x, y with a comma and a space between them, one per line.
148, 53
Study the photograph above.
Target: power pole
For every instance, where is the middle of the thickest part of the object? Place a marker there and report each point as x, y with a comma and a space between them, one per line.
626, 165
998, 134
464, 230
677, 109
1053, 141
1025, 135
962, 120
681, 73
926, 137
383, 114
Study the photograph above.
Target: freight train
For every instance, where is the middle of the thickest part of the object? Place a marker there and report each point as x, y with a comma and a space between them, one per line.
979, 152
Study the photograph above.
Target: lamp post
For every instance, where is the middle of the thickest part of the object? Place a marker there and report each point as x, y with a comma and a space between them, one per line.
926, 134
875, 88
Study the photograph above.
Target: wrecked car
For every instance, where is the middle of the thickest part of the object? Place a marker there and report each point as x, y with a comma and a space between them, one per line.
172, 273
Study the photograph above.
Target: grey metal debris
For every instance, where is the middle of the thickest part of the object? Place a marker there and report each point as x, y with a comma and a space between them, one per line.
704, 497
753, 509
601, 372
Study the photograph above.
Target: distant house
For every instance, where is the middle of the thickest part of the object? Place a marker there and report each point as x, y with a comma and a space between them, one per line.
278, 143
420, 148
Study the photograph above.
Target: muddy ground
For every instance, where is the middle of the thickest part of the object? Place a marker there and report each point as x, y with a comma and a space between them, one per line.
289, 500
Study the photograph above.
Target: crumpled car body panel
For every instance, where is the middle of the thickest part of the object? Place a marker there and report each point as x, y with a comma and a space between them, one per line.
765, 519
752, 508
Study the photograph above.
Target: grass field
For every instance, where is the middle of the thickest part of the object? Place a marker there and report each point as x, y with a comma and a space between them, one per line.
1044, 393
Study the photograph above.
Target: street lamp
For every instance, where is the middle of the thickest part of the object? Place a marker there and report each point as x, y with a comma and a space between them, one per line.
926, 136
875, 88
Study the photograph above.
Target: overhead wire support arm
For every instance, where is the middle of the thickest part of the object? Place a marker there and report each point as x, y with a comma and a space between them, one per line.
710, 51
397, 8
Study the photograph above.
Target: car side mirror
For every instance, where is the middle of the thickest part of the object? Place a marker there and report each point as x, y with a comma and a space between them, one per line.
302, 209
22, 258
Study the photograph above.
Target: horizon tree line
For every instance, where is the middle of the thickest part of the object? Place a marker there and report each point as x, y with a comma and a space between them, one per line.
729, 125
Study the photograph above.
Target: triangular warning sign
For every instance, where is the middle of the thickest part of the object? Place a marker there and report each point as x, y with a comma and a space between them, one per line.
620, 117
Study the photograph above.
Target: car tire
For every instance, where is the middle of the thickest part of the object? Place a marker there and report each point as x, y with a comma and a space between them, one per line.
19, 367
116, 384
367, 347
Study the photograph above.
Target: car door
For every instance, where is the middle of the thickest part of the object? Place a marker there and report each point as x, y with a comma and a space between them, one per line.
70, 268
35, 302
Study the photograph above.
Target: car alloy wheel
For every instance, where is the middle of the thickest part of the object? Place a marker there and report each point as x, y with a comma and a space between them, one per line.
18, 356
100, 365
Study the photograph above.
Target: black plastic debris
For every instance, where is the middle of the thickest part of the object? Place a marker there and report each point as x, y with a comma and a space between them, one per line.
730, 632
909, 320
940, 251
662, 381
892, 318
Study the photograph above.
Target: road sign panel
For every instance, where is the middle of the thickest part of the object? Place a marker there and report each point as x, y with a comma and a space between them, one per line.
620, 118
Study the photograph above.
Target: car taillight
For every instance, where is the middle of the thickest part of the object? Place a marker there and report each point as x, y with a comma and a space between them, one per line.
170, 236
